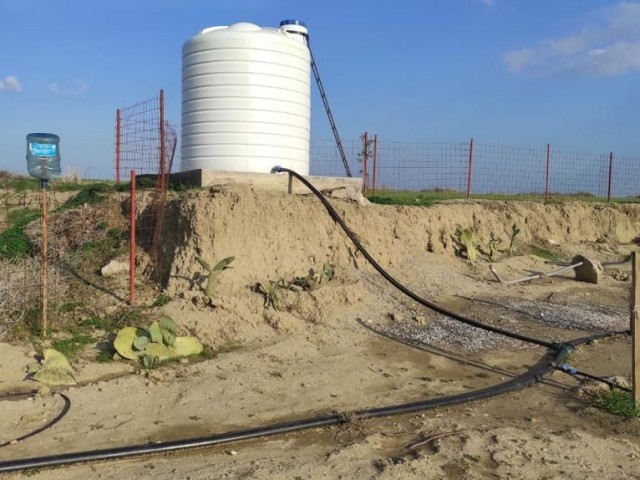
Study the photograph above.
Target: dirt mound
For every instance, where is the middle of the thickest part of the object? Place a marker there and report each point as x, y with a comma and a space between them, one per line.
275, 236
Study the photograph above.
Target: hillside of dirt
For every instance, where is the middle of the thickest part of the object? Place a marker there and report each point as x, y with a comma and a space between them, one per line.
285, 347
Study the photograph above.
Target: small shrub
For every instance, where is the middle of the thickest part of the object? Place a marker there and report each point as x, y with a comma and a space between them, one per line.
314, 279
161, 301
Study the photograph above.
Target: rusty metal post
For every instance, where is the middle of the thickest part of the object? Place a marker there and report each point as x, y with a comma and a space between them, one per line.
132, 239
365, 158
610, 175
546, 178
375, 163
470, 169
163, 153
635, 326
118, 133
45, 260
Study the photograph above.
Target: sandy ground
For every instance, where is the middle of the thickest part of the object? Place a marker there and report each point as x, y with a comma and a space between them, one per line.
320, 353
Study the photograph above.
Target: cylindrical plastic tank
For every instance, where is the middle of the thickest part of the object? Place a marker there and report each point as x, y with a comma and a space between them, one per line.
246, 98
43, 155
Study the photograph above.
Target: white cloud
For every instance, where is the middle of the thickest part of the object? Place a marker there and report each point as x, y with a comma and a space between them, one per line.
75, 88
488, 3
10, 84
611, 46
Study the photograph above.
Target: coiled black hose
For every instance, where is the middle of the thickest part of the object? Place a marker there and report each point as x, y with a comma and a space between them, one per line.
46, 426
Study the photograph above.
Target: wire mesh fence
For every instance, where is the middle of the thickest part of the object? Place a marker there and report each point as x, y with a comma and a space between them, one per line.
144, 140
145, 146
466, 168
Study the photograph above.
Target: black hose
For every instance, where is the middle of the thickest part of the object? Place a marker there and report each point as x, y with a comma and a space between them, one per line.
544, 367
564, 368
612, 263
46, 426
432, 306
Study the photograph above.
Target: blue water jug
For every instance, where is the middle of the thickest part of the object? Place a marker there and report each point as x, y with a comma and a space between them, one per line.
43, 155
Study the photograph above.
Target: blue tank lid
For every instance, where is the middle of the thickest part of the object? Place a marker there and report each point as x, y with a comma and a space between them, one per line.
293, 22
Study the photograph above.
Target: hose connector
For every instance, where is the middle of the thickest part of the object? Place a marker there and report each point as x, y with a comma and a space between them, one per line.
276, 169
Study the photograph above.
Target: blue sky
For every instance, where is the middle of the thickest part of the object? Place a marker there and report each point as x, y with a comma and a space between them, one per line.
515, 72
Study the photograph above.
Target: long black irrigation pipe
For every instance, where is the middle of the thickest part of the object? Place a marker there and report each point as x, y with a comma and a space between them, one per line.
545, 366
430, 305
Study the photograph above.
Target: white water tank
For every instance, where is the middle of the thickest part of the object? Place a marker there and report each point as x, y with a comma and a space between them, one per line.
246, 98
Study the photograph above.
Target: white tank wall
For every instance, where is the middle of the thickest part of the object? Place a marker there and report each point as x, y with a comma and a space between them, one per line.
246, 99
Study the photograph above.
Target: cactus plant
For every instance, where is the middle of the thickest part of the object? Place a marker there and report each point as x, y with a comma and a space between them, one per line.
515, 231
313, 278
156, 344
214, 272
54, 370
493, 247
270, 293
467, 241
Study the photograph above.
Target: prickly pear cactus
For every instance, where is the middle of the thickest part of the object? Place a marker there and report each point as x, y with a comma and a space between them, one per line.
157, 344
55, 369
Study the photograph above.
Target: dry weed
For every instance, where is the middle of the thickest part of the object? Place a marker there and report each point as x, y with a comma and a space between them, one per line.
20, 291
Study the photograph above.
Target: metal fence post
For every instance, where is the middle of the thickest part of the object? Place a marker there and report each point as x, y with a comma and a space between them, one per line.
132, 239
365, 158
375, 162
470, 169
118, 133
610, 175
546, 178
163, 153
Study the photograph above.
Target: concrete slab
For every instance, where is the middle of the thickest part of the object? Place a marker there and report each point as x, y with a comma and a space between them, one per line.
337, 187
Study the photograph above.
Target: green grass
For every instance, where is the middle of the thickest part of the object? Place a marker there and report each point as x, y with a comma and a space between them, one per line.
544, 253
107, 324
104, 356
66, 307
88, 194
104, 248
18, 183
161, 301
70, 347
14, 243
618, 402
430, 197
24, 183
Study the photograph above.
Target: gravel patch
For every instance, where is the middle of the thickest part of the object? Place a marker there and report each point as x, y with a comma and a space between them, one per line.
445, 333
581, 317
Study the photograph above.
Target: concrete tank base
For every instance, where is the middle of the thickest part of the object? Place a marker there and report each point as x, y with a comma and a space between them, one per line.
336, 187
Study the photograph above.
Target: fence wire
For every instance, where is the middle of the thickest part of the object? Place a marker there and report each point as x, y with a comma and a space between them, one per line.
483, 169
145, 143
